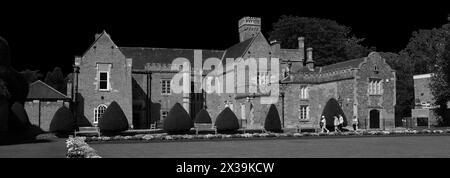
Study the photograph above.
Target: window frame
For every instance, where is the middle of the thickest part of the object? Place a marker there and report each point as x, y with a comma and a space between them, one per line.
108, 77
166, 88
304, 112
97, 114
304, 92
100, 81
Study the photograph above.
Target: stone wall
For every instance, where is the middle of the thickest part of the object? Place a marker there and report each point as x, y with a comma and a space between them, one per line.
48, 110
385, 103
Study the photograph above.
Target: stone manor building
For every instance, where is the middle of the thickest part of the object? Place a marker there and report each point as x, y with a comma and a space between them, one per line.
139, 80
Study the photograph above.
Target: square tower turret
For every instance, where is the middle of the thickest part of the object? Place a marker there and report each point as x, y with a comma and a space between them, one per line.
249, 27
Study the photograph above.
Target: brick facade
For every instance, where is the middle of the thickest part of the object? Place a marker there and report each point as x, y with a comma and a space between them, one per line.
134, 69
103, 51
423, 113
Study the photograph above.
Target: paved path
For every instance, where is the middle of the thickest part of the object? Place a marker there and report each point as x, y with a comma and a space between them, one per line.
406, 146
49, 148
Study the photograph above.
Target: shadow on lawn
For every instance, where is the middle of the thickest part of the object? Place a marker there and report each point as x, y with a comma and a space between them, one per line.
28, 135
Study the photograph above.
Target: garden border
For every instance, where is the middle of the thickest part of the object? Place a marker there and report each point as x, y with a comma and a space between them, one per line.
165, 138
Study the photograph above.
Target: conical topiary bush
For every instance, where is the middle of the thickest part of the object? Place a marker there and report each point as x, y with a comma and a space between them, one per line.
177, 121
203, 117
113, 120
331, 109
18, 118
227, 122
62, 123
272, 122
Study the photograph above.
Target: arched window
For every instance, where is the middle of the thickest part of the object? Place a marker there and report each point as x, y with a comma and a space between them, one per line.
98, 112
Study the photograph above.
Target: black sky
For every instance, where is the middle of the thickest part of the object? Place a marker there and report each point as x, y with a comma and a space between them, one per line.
45, 35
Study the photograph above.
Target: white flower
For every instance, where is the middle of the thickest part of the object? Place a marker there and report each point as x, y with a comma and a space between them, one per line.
438, 131
148, 137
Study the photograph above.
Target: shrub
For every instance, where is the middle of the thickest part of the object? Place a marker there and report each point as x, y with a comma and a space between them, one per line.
62, 122
18, 118
273, 122
202, 117
177, 121
227, 122
331, 109
113, 120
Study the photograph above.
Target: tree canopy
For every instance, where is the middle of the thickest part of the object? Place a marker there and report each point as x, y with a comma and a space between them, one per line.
332, 42
440, 84
404, 84
56, 80
31, 75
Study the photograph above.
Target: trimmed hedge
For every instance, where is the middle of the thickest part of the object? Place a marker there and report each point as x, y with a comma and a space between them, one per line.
19, 112
203, 117
113, 120
63, 122
227, 122
272, 122
331, 109
18, 118
177, 121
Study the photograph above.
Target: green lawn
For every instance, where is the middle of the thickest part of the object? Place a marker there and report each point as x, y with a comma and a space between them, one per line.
50, 147
401, 146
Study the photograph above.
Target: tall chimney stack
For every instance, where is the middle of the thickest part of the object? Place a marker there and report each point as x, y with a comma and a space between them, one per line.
309, 60
301, 47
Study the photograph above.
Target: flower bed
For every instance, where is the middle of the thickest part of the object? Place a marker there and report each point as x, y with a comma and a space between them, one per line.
78, 148
187, 137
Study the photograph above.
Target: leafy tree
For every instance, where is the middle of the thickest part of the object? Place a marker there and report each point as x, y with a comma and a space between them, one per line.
425, 48
427, 51
332, 42
56, 80
440, 83
404, 84
31, 75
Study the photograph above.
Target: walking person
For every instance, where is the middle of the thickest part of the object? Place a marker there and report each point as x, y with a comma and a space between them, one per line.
341, 122
355, 123
323, 125
336, 124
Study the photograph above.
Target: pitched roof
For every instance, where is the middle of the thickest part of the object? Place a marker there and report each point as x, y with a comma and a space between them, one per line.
141, 55
38, 90
238, 50
354, 63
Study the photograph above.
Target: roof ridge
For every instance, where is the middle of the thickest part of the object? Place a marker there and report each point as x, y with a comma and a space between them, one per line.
251, 42
173, 48
40, 81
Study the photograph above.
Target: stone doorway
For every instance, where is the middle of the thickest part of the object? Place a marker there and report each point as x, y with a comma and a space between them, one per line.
374, 119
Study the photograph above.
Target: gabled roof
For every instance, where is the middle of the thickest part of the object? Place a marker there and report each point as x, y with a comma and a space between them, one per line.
38, 90
141, 56
354, 63
97, 38
238, 50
